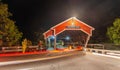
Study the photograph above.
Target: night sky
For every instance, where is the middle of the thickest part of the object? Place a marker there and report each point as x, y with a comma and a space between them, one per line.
34, 15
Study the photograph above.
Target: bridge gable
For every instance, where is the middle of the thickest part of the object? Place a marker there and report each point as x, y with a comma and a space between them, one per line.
70, 24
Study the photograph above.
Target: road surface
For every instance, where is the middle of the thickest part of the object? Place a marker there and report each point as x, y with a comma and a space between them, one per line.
74, 62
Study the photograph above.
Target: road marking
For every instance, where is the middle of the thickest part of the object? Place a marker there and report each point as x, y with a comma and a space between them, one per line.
32, 60
25, 69
106, 55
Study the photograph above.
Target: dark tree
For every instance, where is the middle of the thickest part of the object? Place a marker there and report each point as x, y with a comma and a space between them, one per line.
10, 33
113, 32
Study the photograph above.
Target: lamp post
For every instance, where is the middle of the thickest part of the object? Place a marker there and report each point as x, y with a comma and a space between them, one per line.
67, 38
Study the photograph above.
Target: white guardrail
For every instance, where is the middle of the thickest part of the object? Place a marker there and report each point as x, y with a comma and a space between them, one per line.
14, 49
102, 51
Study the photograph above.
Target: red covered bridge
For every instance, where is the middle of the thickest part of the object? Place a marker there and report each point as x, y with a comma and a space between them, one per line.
69, 24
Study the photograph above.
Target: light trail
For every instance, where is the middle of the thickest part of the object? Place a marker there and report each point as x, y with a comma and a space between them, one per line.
32, 60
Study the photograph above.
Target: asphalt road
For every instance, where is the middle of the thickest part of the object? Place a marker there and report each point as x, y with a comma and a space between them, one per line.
74, 62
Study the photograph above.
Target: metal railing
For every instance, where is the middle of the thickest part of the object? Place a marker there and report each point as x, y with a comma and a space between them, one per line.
13, 49
102, 51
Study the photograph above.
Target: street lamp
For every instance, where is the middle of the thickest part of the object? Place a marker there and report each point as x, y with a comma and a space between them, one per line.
67, 38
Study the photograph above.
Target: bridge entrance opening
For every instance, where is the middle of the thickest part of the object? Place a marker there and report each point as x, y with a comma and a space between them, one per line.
73, 38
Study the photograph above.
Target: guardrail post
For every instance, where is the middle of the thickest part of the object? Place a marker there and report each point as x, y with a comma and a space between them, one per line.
87, 42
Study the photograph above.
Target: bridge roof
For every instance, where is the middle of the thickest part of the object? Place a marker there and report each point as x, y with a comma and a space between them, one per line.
69, 24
